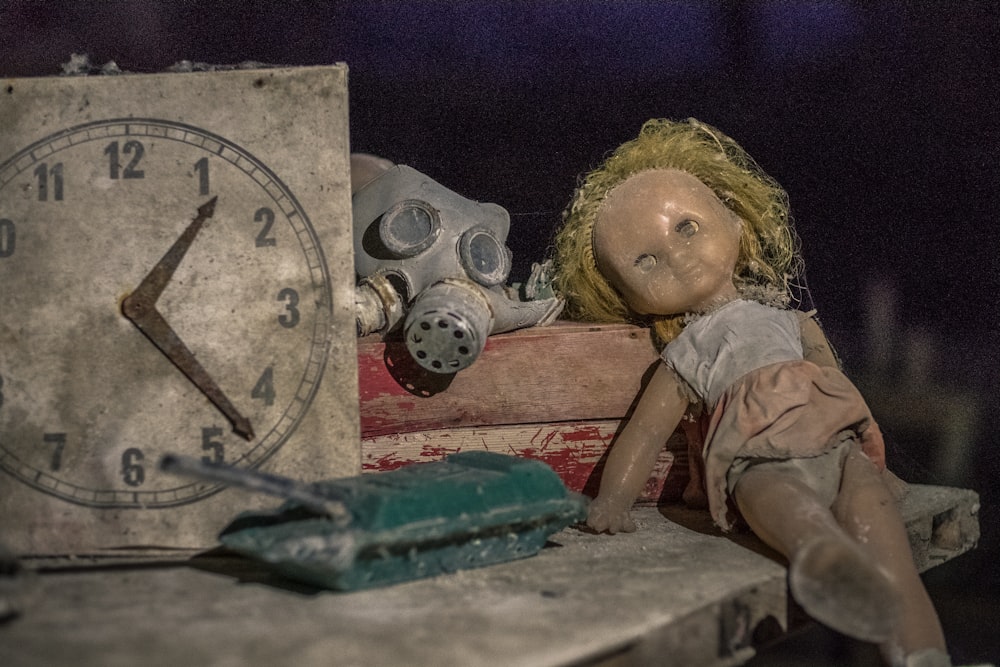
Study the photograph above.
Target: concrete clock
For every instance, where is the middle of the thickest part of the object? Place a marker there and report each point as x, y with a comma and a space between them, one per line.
175, 277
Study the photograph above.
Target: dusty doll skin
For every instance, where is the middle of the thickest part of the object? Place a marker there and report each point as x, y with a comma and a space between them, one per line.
680, 230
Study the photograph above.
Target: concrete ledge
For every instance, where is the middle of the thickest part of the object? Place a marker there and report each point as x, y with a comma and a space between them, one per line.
674, 590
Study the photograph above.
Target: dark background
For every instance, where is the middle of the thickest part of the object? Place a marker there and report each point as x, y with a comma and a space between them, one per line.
880, 119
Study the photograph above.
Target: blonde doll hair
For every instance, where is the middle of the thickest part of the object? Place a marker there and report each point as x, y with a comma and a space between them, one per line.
768, 256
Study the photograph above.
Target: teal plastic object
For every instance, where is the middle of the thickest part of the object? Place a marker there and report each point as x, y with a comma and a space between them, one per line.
470, 510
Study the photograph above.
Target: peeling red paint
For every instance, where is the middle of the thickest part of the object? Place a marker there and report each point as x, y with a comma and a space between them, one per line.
583, 433
436, 453
522, 397
384, 463
521, 377
577, 459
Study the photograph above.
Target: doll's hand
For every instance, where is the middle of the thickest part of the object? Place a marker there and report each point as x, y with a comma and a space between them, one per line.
609, 515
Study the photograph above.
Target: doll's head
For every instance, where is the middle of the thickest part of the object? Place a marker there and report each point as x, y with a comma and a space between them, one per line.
767, 256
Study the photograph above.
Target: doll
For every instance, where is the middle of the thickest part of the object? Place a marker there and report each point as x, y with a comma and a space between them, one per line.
680, 230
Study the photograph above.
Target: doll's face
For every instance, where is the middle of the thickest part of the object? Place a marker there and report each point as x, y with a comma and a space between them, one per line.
667, 243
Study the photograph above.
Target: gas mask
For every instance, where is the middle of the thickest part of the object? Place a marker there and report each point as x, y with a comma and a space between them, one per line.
435, 263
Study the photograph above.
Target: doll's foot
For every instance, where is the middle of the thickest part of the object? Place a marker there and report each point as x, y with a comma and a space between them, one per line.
930, 657
839, 586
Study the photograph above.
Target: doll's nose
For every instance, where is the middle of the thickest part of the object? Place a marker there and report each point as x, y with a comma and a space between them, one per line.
674, 254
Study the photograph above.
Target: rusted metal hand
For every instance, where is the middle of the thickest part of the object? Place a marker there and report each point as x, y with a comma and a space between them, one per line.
140, 308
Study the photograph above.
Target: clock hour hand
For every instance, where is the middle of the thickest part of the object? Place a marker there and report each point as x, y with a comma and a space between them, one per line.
156, 280
140, 308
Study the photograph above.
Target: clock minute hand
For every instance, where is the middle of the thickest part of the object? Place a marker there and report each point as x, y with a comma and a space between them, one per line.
151, 323
140, 308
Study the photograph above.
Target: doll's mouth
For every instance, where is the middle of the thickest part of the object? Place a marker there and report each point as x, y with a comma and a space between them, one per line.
688, 274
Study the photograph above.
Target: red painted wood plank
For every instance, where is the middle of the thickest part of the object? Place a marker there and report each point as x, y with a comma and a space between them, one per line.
575, 450
565, 372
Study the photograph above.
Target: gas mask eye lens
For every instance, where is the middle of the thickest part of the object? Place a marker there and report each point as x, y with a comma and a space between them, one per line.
409, 228
485, 259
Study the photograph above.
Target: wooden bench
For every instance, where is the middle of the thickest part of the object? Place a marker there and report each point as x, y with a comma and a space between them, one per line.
559, 394
677, 587
554, 393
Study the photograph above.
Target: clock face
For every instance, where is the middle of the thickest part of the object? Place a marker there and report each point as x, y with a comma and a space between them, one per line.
88, 402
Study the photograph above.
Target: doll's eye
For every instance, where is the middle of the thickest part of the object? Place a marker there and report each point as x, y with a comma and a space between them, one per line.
687, 228
645, 262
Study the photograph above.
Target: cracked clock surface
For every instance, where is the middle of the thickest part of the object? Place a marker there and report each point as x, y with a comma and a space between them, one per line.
85, 214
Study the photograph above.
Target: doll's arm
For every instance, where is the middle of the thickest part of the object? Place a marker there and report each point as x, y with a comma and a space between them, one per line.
634, 452
815, 347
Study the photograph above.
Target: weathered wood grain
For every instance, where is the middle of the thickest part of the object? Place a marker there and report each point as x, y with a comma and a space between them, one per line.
566, 372
556, 393
575, 450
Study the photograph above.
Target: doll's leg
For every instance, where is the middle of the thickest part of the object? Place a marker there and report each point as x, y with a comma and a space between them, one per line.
868, 512
830, 575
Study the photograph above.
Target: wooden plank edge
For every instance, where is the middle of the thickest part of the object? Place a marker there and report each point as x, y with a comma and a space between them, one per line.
942, 522
575, 450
